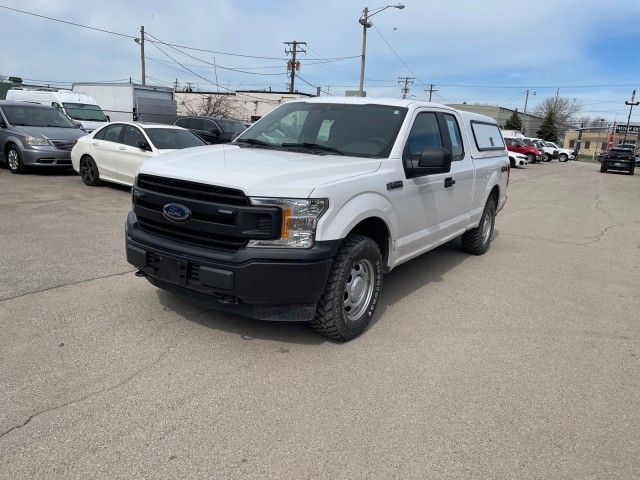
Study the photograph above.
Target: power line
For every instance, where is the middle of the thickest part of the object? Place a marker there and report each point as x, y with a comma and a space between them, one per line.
314, 86
398, 56
67, 22
209, 81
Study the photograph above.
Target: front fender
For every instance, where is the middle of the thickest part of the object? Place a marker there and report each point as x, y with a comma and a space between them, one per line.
338, 222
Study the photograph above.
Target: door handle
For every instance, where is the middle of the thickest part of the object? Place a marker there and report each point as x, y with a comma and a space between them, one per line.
449, 182
122, 148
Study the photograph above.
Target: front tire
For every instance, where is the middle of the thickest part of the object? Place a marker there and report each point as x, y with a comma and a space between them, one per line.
14, 160
531, 157
547, 157
350, 298
603, 169
563, 157
89, 171
477, 240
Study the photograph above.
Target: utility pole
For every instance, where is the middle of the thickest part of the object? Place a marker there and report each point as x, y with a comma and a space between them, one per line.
524, 112
405, 82
631, 104
175, 85
141, 42
292, 64
431, 90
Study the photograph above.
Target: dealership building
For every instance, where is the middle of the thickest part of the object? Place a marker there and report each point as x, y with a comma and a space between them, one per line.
595, 139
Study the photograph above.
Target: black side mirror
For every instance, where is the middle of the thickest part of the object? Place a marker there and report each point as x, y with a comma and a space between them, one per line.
434, 160
2, 124
143, 145
216, 133
108, 118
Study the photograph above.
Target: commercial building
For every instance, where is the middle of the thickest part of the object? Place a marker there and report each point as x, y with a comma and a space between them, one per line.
530, 123
595, 139
244, 105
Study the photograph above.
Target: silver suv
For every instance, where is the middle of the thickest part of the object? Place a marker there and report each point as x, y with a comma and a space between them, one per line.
33, 135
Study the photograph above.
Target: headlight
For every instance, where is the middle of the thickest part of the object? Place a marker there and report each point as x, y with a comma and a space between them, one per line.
37, 141
299, 220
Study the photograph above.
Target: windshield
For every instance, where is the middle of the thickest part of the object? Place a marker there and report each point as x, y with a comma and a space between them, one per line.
84, 111
357, 130
35, 116
173, 138
552, 145
527, 142
232, 126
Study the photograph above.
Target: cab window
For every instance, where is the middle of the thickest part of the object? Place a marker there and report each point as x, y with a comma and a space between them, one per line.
424, 133
457, 148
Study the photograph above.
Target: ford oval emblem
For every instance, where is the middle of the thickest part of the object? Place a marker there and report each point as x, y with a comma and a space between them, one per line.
176, 212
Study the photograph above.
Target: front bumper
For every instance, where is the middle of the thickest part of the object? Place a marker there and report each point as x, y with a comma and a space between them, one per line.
48, 157
268, 284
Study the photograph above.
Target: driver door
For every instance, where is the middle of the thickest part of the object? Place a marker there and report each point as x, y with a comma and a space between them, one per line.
130, 155
435, 206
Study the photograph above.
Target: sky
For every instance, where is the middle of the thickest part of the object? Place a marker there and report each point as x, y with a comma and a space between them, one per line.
487, 52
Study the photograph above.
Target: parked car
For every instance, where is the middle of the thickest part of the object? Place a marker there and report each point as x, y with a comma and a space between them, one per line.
535, 143
212, 129
78, 107
548, 152
518, 159
115, 152
517, 145
618, 158
33, 135
303, 228
564, 154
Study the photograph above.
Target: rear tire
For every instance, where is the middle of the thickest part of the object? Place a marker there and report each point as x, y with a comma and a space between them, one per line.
89, 171
603, 169
477, 240
631, 170
14, 160
350, 298
513, 163
547, 157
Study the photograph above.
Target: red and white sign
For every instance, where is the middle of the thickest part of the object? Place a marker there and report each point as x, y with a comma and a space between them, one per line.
611, 135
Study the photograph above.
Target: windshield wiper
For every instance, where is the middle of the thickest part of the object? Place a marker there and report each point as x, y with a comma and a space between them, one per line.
316, 146
254, 141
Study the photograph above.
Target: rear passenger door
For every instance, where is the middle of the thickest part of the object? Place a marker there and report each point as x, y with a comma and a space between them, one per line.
104, 149
436, 206
130, 156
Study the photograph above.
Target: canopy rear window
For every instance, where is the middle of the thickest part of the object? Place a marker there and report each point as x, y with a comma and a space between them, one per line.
487, 136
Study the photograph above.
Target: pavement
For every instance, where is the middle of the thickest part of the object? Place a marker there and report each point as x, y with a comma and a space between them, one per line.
522, 363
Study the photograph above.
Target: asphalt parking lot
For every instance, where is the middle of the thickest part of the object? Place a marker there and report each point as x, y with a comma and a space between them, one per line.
522, 363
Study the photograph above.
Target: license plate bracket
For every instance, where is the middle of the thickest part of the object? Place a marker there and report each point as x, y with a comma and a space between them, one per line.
171, 269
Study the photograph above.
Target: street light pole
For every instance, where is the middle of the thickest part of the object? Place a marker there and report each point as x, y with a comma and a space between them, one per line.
364, 21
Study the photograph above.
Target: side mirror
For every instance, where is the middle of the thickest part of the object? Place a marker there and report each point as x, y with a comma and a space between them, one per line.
108, 118
143, 145
434, 160
216, 133
2, 124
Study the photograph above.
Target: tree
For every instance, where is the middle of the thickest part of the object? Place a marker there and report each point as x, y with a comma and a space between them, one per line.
514, 122
216, 105
548, 130
564, 110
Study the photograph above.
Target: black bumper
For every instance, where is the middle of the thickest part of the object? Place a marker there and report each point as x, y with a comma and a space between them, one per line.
264, 283
623, 165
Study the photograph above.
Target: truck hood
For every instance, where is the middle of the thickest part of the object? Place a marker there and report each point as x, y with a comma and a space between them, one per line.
91, 126
52, 133
258, 172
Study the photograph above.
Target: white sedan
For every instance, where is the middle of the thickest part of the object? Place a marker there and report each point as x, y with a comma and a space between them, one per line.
518, 159
115, 152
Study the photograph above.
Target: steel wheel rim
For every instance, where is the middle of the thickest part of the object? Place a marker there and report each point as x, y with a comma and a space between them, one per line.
12, 158
87, 171
486, 227
358, 289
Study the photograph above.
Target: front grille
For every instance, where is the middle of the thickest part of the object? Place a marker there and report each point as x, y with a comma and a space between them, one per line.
221, 218
192, 190
64, 144
182, 234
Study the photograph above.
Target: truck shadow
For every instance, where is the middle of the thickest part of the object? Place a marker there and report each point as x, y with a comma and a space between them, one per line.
400, 283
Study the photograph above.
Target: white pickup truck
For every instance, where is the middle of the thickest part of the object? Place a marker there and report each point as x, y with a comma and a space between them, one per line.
300, 217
